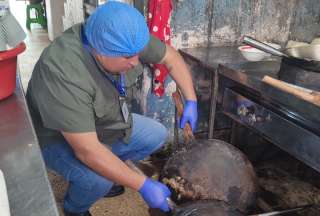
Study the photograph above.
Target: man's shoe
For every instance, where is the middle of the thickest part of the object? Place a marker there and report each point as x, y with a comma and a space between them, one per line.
87, 213
116, 190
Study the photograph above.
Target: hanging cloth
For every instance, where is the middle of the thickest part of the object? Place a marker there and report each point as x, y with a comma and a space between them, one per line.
159, 12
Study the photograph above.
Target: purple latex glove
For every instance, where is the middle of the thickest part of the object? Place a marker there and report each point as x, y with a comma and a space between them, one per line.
155, 194
190, 114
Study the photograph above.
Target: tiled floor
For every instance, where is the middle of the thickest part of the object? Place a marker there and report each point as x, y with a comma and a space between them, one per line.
37, 39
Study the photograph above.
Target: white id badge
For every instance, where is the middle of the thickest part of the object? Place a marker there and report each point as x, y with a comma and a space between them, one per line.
124, 110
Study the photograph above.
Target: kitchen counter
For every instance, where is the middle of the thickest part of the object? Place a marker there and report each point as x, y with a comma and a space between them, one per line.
29, 190
231, 57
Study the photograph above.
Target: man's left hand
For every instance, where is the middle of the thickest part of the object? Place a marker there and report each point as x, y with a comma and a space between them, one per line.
190, 114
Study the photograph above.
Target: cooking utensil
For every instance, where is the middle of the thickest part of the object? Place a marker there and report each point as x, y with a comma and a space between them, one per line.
308, 52
173, 206
281, 212
175, 209
305, 64
187, 131
207, 208
262, 46
303, 93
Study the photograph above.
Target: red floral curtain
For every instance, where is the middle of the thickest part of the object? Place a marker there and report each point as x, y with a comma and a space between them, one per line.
159, 12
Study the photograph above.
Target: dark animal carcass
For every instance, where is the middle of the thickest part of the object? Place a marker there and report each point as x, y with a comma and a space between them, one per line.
211, 170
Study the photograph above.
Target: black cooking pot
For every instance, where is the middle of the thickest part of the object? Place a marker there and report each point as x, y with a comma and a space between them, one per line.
211, 170
299, 75
298, 71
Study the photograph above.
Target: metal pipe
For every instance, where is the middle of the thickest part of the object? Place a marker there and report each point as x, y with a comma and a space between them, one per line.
285, 211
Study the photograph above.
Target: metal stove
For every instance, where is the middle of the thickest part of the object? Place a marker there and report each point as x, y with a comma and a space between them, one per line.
236, 90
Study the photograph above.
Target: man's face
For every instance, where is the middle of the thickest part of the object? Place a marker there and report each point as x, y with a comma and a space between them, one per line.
117, 64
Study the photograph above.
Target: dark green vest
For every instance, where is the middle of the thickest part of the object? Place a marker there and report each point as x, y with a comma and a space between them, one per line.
62, 89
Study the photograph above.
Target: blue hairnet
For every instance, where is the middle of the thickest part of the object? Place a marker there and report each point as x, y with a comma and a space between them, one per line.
117, 29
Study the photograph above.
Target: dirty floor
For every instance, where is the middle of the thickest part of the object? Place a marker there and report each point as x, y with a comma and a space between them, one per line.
128, 204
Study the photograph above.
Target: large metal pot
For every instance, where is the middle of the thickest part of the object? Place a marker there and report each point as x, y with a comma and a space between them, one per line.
299, 71
211, 170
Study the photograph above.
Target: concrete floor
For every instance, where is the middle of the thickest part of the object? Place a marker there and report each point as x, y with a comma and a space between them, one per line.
128, 204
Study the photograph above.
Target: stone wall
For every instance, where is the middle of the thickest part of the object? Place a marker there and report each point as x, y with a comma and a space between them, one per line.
218, 22
305, 23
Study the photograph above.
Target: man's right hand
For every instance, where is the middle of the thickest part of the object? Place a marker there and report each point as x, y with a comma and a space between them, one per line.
155, 194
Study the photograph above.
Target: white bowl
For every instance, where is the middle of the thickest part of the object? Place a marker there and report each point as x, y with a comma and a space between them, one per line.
253, 54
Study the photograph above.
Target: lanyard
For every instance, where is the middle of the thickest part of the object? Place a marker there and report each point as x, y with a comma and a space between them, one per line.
120, 85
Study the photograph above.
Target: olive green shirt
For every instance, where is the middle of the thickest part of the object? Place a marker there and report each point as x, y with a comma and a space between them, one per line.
62, 95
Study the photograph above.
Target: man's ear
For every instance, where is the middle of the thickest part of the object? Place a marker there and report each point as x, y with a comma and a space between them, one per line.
97, 56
